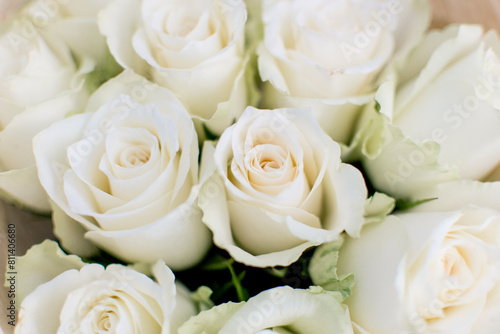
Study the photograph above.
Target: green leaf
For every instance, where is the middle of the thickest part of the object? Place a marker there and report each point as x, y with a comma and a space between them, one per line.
220, 291
404, 204
201, 297
242, 293
377, 207
106, 70
343, 285
215, 263
280, 273
323, 269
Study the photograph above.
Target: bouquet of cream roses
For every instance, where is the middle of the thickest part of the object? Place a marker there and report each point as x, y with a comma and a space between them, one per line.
250, 166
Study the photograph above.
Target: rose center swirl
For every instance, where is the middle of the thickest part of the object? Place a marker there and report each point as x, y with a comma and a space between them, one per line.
269, 164
135, 156
105, 321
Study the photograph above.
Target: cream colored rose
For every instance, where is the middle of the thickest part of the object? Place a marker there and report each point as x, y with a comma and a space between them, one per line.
89, 298
124, 175
439, 115
275, 186
39, 85
427, 272
194, 48
277, 310
327, 54
73, 21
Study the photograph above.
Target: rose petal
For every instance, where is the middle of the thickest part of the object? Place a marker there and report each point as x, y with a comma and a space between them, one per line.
455, 195
368, 310
258, 231
117, 22
460, 52
225, 68
22, 186
42, 263
70, 233
47, 318
147, 243
291, 308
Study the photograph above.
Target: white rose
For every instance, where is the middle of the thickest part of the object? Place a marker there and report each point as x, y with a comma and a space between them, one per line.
327, 54
278, 310
125, 174
439, 117
427, 272
73, 21
88, 298
39, 85
194, 48
277, 188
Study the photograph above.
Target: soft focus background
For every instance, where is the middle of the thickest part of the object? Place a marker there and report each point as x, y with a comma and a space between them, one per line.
485, 12
32, 229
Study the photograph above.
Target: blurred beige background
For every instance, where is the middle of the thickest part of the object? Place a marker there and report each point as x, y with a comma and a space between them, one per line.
485, 12
32, 229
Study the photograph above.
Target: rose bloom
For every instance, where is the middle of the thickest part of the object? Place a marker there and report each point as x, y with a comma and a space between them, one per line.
40, 83
89, 298
73, 21
278, 310
427, 272
194, 48
124, 176
327, 54
275, 186
442, 106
